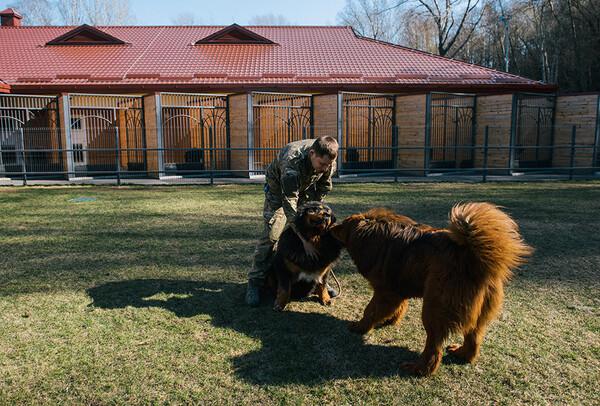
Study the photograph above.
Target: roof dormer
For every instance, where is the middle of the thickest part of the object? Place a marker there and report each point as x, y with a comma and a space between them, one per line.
235, 34
85, 35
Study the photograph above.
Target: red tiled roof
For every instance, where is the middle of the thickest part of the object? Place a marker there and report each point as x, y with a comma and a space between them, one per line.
160, 58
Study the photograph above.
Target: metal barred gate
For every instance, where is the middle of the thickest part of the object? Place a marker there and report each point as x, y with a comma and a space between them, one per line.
107, 133
450, 131
278, 119
368, 136
533, 130
30, 139
195, 132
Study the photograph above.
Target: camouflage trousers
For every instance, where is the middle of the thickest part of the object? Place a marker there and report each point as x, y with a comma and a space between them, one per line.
275, 221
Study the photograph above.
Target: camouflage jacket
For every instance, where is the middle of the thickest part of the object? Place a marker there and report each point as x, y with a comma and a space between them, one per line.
292, 178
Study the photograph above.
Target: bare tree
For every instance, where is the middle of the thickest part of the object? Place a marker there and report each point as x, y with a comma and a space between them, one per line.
455, 22
452, 21
417, 31
184, 19
71, 12
587, 17
372, 18
35, 12
536, 38
74, 12
108, 12
576, 44
268, 19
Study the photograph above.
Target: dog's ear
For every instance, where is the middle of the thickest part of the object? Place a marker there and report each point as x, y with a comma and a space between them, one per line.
338, 231
341, 231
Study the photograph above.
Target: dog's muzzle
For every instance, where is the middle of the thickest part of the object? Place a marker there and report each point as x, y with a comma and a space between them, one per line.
319, 217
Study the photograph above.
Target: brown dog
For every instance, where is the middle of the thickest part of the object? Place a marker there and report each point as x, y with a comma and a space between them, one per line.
459, 273
294, 274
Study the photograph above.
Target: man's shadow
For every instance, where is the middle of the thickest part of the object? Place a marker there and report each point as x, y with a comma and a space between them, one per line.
299, 348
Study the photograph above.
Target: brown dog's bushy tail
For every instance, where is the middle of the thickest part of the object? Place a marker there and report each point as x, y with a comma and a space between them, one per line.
492, 235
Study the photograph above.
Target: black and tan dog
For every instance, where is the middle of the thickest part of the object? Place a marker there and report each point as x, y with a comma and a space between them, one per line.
294, 274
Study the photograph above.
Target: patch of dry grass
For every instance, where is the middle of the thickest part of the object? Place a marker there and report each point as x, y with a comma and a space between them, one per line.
138, 298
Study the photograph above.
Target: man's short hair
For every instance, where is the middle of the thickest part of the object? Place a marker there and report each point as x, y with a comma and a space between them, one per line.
326, 145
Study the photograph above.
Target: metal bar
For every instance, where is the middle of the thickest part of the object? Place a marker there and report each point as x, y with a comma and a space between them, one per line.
370, 136
552, 124
596, 155
365, 106
453, 94
118, 152
427, 162
250, 123
513, 131
538, 133
485, 152
282, 94
572, 152
23, 166
211, 156
395, 152
473, 128
26, 108
159, 133
280, 106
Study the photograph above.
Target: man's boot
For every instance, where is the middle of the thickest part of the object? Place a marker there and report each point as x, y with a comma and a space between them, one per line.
253, 292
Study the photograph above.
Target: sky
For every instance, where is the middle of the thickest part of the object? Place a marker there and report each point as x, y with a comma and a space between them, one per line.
226, 12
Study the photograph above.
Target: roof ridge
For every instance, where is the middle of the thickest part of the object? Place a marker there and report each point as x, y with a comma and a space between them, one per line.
181, 26
295, 26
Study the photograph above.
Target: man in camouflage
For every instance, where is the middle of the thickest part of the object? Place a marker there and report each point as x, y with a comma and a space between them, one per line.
300, 173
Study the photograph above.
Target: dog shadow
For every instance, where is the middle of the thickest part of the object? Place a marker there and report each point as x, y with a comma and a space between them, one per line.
297, 348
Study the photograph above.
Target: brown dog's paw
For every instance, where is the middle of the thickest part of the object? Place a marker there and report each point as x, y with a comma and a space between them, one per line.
426, 365
461, 352
452, 348
414, 368
406, 366
278, 308
357, 327
409, 368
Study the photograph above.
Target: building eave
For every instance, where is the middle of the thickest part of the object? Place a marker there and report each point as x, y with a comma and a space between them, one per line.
44, 88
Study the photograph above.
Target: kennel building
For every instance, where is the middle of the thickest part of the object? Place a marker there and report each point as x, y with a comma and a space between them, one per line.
171, 101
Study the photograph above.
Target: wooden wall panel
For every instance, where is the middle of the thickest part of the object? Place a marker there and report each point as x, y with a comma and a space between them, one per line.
325, 115
238, 132
580, 111
151, 134
410, 118
495, 112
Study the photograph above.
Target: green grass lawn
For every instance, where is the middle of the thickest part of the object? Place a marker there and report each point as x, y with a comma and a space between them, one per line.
137, 297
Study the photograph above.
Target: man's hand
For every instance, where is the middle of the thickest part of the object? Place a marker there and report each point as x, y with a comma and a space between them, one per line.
310, 249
